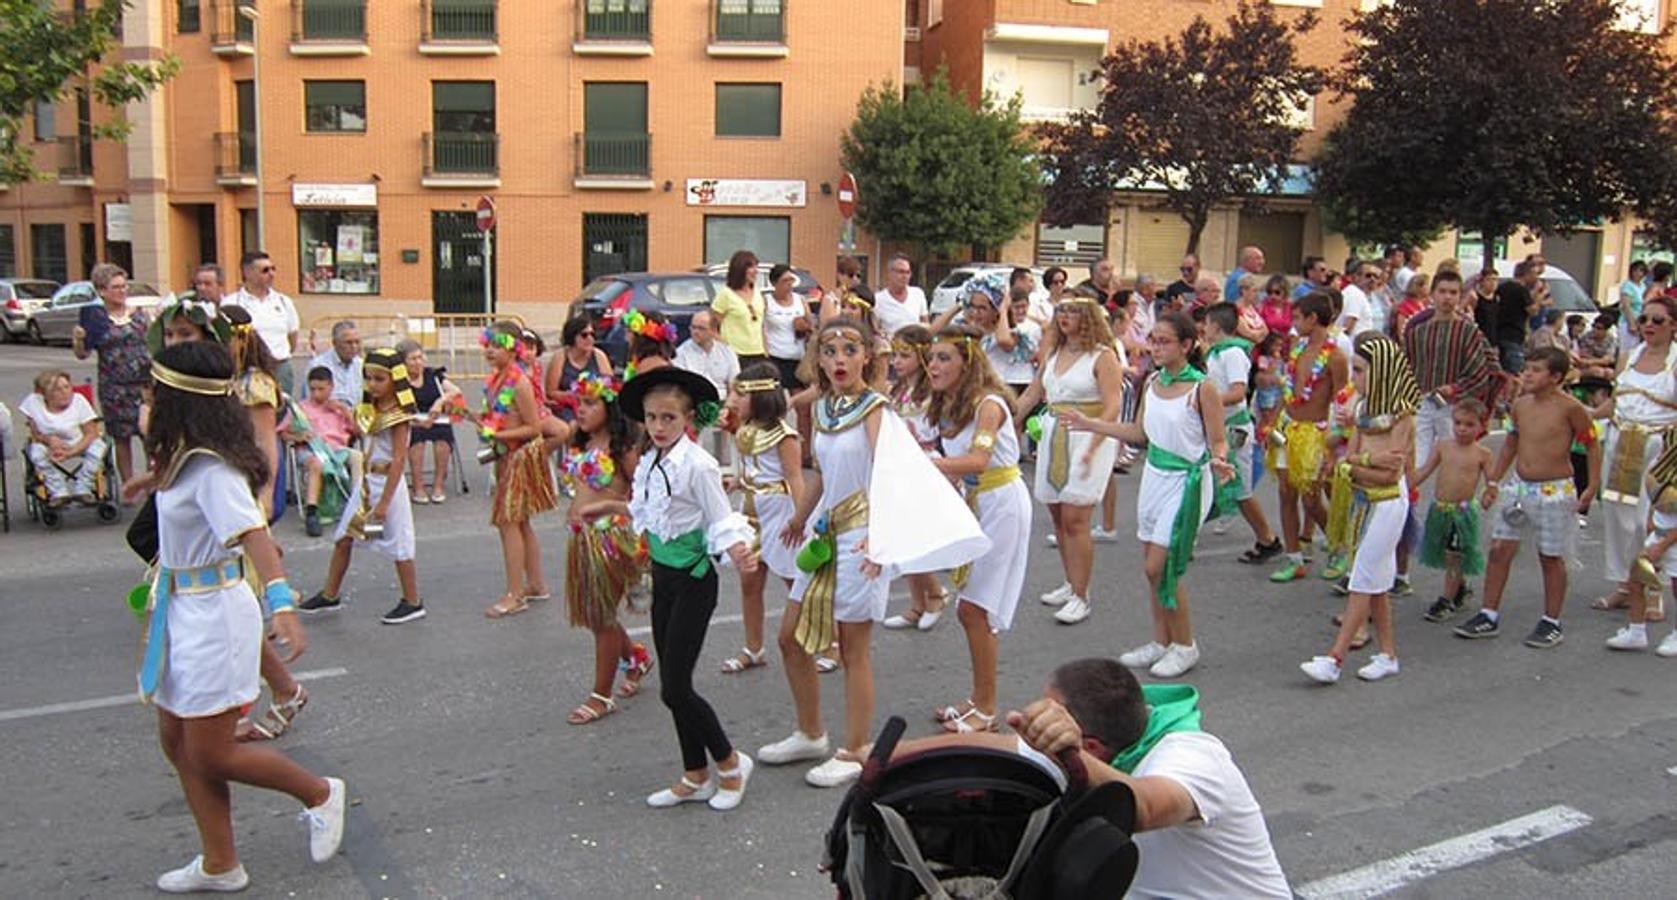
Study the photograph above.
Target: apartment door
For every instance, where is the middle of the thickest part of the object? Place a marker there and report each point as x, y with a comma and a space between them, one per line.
456, 263
612, 243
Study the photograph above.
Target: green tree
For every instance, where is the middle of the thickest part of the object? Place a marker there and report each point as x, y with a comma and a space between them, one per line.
938, 174
47, 54
1206, 117
1487, 115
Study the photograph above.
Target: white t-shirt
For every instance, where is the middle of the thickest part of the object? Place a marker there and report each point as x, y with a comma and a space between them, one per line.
1225, 851
274, 317
1227, 369
781, 338
1014, 366
893, 314
66, 424
1400, 278
1357, 307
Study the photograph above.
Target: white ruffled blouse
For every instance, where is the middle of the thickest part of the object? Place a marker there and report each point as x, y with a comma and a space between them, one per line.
680, 490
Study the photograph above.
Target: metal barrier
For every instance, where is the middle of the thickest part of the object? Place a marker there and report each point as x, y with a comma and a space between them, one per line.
450, 339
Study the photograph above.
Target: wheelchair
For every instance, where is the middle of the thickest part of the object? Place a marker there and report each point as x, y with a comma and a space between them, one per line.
36, 499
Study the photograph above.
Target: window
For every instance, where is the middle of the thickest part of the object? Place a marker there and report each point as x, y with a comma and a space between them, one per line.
748, 110
90, 248
683, 292
46, 121
463, 106
244, 95
1470, 249
335, 106
770, 237
612, 243
8, 252
48, 257
1045, 87
191, 17
338, 251
614, 139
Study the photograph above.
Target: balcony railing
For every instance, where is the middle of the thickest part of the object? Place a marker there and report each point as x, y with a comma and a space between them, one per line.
614, 20
464, 21
748, 21
235, 157
334, 21
75, 159
469, 153
228, 29
613, 155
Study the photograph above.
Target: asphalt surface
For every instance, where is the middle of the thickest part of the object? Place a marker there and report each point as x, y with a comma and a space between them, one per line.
467, 782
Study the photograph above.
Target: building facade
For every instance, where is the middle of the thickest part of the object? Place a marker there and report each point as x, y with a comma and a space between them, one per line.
613, 135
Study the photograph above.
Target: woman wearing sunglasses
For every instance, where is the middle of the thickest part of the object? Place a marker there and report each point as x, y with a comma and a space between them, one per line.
578, 353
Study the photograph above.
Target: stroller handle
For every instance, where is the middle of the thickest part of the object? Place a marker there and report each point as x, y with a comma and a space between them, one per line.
1077, 774
883, 747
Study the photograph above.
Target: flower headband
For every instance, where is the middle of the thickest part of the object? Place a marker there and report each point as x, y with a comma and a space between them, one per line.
637, 323
493, 338
603, 388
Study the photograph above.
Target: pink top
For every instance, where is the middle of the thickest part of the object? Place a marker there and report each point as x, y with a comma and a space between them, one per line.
1277, 314
328, 423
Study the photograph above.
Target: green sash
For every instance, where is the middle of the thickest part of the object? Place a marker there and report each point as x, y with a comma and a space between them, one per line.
1170, 708
687, 552
1185, 528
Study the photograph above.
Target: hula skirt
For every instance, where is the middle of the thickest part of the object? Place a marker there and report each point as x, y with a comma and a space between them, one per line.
1453, 529
523, 486
603, 560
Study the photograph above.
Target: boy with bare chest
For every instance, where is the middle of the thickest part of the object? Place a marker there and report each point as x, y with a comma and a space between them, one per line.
1450, 539
1540, 497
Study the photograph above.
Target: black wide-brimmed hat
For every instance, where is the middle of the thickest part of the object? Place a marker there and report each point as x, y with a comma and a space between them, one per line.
706, 402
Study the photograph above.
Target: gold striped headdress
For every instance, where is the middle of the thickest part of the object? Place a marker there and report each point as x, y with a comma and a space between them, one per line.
387, 360
1392, 390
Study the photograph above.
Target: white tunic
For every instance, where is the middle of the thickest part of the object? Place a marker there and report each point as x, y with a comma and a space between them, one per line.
215, 638
773, 511
397, 542
846, 462
1173, 425
1004, 513
1085, 484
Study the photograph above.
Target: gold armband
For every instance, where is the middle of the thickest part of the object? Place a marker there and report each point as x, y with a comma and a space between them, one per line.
984, 440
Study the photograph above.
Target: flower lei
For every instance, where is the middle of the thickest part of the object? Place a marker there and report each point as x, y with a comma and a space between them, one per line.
603, 388
1316, 369
637, 323
593, 466
498, 402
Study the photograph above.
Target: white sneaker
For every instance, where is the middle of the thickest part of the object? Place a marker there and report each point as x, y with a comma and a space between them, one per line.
929, 620
1143, 656
326, 822
725, 799
1322, 669
1058, 595
1176, 662
1075, 610
667, 797
191, 878
834, 772
1381, 666
897, 623
1668, 647
1104, 536
1220, 525
1053, 539
1627, 639
799, 746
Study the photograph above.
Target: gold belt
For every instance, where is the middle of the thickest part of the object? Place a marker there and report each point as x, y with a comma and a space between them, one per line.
988, 480
1059, 444
753, 490
1379, 494
816, 628
1622, 482
379, 468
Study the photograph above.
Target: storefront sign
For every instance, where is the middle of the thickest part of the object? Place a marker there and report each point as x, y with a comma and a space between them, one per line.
744, 192
119, 222
335, 195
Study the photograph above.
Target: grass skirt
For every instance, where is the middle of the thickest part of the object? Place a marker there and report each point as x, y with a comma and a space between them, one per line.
603, 560
523, 486
1453, 529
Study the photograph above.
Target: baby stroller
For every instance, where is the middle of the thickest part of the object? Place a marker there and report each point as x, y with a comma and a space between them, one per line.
954, 823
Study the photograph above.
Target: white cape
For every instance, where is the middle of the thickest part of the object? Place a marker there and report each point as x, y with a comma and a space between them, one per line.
917, 521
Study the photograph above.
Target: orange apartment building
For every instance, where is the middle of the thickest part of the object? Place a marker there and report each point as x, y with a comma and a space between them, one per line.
612, 134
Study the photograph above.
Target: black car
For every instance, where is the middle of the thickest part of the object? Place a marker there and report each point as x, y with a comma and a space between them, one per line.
678, 295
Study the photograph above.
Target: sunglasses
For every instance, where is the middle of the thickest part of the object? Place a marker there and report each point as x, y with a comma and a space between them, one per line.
1186, 269
1650, 320
1275, 292
266, 269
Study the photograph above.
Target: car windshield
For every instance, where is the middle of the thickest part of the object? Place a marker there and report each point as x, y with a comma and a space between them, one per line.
957, 278
603, 290
1569, 295
34, 290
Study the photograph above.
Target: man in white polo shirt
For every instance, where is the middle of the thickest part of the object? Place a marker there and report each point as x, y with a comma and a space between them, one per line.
899, 303
272, 313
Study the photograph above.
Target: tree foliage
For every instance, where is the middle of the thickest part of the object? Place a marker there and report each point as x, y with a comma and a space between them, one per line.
936, 173
1205, 115
1487, 115
48, 54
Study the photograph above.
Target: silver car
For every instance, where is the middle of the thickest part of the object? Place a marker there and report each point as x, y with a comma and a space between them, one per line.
949, 289
19, 299
53, 322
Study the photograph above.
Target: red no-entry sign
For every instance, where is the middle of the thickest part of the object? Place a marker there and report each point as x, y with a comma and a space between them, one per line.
847, 195
485, 213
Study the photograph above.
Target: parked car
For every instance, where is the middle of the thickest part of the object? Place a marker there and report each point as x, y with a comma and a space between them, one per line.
19, 299
949, 289
678, 295
1569, 296
807, 285
54, 321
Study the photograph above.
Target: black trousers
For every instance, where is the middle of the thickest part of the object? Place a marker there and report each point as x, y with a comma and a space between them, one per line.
681, 610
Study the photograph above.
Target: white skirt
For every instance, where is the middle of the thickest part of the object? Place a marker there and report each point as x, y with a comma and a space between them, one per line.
214, 655
997, 577
397, 541
1159, 498
773, 512
1375, 567
856, 597
1085, 485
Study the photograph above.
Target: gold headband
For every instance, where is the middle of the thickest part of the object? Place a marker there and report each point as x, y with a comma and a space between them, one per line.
757, 386
192, 384
842, 331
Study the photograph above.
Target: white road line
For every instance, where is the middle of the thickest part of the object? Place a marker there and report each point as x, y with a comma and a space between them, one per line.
53, 709
1671, 771
1386, 876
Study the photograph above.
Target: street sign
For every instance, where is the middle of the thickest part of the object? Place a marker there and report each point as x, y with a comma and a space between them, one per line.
847, 195
485, 213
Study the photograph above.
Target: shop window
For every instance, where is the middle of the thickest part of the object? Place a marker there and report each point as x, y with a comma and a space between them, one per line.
339, 251
770, 237
748, 110
335, 106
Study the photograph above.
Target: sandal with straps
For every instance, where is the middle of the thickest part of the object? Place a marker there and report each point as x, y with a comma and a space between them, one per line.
586, 714
961, 724
501, 608
953, 711
746, 659
640, 662
279, 717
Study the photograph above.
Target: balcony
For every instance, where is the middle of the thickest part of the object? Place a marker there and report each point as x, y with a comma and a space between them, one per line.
329, 28
462, 159
613, 28
620, 162
230, 33
459, 28
754, 29
75, 161
235, 158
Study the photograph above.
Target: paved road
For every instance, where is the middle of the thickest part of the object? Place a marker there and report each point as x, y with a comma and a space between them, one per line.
467, 781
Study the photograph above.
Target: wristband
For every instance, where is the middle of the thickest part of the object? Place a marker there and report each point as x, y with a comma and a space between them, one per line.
279, 597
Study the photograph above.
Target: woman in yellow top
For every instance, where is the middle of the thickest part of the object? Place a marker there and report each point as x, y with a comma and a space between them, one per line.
739, 310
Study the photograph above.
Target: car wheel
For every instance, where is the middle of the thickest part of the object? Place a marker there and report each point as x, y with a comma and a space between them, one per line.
34, 329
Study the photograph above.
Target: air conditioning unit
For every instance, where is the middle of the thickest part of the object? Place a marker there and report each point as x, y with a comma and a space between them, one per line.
911, 34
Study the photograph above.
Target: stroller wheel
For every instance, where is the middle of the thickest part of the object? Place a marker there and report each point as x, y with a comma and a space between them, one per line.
108, 512
51, 519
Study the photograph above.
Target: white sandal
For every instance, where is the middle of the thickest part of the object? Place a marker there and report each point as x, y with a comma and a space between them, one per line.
667, 797
826, 664
733, 666
961, 725
953, 711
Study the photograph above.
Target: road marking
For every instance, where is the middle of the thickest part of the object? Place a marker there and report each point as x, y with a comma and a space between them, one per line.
1388, 875
53, 709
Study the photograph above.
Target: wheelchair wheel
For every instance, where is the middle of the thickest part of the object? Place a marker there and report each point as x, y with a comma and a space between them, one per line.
51, 518
108, 512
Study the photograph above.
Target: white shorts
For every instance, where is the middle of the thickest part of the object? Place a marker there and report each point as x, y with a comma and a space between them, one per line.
214, 656
1548, 507
1375, 568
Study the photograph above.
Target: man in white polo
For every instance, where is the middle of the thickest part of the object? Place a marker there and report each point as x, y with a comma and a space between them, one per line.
272, 313
899, 303
704, 354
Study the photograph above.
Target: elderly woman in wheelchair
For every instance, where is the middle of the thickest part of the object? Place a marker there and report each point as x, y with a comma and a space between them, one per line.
67, 447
